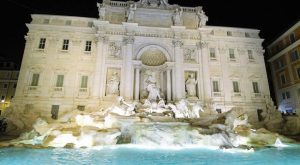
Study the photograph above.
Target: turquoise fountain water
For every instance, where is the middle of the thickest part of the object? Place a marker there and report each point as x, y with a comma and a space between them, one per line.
127, 154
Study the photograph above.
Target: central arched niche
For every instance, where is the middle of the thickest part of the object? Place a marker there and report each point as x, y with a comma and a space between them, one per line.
153, 57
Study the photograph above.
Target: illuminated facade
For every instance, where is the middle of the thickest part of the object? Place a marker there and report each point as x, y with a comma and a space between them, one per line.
8, 81
285, 66
81, 63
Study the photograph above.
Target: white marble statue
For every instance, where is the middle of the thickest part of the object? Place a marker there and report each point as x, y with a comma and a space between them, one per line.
163, 2
130, 12
196, 109
190, 85
113, 85
152, 88
101, 11
123, 109
177, 17
184, 109
202, 18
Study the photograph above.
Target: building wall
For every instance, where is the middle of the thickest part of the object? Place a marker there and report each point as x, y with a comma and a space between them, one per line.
186, 51
282, 50
8, 83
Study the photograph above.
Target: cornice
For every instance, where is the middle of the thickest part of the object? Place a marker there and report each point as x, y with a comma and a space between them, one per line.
60, 28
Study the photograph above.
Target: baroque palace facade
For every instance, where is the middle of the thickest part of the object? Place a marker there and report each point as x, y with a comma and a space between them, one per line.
81, 63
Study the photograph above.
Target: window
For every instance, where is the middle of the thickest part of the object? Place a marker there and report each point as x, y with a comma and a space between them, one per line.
298, 93
88, 46
298, 72
250, 55
46, 21
42, 43
280, 63
236, 88
212, 52
229, 33
259, 114
54, 111
68, 22
65, 45
231, 54
277, 48
60, 81
294, 55
5, 86
84, 82
288, 96
255, 87
283, 96
282, 79
35, 79
247, 35
292, 38
216, 86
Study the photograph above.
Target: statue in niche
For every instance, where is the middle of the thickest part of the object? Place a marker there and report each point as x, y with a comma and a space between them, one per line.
130, 12
101, 10
202, 18
190, 85
113, 85
152, 88
177, 17
115, 50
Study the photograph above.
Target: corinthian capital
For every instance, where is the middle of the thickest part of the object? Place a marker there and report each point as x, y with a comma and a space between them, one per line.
101, 38
177, 43
202, 44
128, 40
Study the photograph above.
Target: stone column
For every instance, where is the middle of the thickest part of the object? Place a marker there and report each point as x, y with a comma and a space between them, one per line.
128, 69
137, 84
169, 85
100, 57
203, 46
179, 78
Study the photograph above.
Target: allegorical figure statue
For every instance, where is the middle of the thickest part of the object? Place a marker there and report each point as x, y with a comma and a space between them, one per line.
130, 12
202, 18
152, 88
113, 85
101, 11
190, 85
177, 17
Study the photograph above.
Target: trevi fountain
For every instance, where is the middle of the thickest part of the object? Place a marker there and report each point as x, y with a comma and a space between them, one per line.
162, 103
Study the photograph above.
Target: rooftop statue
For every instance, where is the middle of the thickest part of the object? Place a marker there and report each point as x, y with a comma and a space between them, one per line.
130, 12
177, 17
101, 10
154, 3
202, 18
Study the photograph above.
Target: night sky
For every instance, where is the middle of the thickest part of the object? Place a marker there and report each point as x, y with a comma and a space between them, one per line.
271, 17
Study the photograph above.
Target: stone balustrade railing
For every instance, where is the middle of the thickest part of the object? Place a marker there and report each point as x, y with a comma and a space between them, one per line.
118, 4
